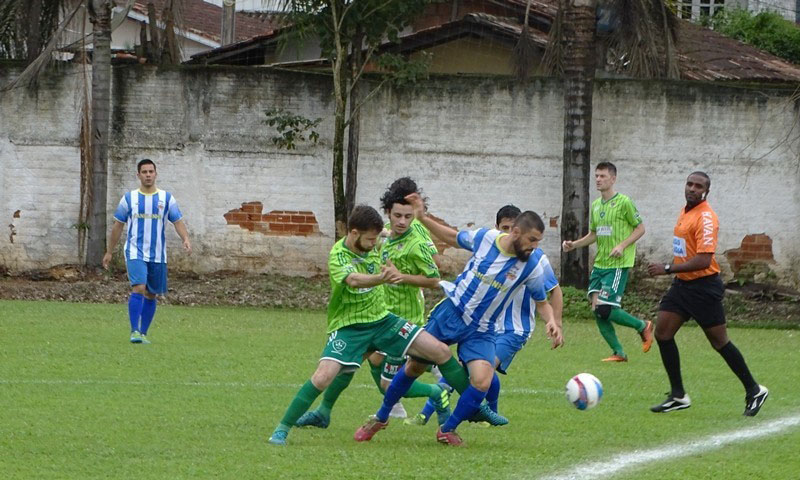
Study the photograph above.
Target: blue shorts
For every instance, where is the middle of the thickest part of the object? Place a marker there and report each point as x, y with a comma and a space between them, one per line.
446, 325
508, 344
152, 274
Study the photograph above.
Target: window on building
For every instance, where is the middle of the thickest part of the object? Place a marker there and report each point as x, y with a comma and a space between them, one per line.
697, 9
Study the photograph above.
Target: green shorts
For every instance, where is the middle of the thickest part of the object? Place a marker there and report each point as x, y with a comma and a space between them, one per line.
392, 335
610, 284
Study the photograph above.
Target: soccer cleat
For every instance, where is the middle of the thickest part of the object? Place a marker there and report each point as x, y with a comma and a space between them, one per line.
278, 438
616, 358
485, 414
448, 438
136, 337
368, 430
143, 339
442, 404
313, 419
647, 336
753, 404
398, 411
671, 404
418, 420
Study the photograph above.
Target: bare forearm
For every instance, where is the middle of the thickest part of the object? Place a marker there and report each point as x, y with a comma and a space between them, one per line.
587, 239
180, 227
363, 280
698, 262
421, 281
116, 232
557, 303
444, 233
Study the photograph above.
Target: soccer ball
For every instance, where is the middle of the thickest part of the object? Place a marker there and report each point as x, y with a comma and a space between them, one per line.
584, 391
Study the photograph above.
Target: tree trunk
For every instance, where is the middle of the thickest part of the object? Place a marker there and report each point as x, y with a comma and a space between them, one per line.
101, 106
340, 77
353, 131
579, 69
33, 38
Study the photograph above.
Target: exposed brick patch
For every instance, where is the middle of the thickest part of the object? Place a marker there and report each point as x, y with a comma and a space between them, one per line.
277, 222
553, 222
755, 248
16, 214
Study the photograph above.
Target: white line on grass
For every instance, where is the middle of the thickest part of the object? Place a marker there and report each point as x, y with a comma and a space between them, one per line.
90, 381
629, 460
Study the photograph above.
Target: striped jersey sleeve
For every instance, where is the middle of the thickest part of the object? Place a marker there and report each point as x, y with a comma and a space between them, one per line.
471, 239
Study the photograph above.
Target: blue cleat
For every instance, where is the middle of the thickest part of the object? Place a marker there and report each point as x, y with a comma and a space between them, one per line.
485, 414
278, 438
136, 337
313, 419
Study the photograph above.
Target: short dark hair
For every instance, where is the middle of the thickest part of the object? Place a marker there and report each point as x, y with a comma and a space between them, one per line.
390, 198
365, 219
508, 211
704, 175
612, 169
143, 162
529, 220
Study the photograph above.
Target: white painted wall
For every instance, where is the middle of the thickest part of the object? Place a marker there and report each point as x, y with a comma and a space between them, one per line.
473, 145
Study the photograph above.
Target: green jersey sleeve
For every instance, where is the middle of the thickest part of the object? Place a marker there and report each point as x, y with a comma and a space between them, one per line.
632, 213
423, 261
339, 267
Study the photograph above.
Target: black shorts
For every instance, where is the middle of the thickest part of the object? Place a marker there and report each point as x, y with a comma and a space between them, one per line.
700, 299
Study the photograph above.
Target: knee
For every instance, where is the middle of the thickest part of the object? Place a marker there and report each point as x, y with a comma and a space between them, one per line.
663, 334
385, 384
415, 368
321, 379
140, 289
481, 380
603, 311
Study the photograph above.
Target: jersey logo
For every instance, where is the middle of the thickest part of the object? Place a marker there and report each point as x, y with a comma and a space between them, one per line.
602, 214
512, 273
678, 247
604, 231
371, 268
357, 260
613, 204
405, 330
399, 247
161, 205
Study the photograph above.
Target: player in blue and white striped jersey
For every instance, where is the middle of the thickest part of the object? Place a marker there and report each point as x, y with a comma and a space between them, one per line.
501, 265
143, 213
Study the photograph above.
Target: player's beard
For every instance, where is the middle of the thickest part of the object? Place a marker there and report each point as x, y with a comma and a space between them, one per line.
361, 248
521, 254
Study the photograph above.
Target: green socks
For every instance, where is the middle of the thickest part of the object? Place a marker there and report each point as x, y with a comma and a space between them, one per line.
302, 401
376, 375
454, 373
419, 389
333, 391
621, 317
607, 331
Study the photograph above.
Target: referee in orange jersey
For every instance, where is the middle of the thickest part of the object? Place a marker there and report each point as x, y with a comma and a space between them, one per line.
697, 292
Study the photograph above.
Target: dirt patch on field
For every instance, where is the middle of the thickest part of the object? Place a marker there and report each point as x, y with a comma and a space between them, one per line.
758, 305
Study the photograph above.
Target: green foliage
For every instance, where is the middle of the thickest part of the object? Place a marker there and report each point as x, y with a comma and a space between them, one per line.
766, 30
291, 128
404, 72
201, 401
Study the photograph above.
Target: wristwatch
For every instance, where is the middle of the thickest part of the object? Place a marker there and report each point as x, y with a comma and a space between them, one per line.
667, 268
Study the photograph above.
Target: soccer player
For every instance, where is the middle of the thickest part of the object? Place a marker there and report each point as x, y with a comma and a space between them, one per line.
358, 321
409, 252
514, 327
145, 212
615, 224
697, 292
500, 265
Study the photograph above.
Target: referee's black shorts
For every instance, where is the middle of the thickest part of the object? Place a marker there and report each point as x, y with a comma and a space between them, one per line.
700, 299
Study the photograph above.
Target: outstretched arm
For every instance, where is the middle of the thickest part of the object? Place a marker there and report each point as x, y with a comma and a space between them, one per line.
588, 239
444, 233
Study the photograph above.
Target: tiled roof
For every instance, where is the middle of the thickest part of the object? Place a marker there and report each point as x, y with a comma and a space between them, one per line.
205, 19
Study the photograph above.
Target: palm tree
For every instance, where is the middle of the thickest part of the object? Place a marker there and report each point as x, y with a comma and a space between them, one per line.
634, 38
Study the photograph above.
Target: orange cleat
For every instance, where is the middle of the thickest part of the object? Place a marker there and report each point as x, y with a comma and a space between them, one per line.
647, 336
449, 438
616, 358
368, 430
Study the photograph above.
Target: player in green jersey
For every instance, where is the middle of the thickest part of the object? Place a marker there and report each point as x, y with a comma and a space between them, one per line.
359, 322
615, 224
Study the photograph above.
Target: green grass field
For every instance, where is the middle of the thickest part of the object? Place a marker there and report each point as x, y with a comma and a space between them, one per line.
78, 401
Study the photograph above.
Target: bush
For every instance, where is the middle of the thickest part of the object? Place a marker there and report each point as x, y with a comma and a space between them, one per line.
766, 30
